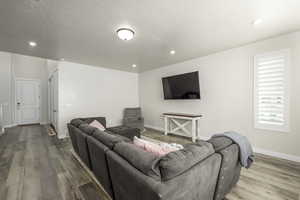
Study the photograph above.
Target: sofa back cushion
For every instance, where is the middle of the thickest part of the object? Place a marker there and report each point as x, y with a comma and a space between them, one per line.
142, 160
177, 162
87, 129
89, 120
77, 122
107, 139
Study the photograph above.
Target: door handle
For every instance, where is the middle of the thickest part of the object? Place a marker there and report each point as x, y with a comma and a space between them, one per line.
54, 111
18, 105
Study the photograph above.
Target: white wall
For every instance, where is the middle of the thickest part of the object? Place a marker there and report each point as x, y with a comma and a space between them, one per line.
33, 68
226, 82
86, 91
5, 87
52, 66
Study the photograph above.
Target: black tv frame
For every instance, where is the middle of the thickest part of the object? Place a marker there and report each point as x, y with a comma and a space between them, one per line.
163, 85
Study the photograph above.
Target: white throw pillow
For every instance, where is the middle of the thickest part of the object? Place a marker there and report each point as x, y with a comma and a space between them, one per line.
97, 125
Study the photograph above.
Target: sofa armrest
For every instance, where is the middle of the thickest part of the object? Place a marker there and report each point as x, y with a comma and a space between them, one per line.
142, 119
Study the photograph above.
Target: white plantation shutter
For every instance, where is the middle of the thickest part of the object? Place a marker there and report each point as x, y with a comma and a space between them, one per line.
271, 98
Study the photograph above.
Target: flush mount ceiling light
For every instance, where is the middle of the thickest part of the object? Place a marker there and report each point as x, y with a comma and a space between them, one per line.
257, 21
32, 44
134, 65
125, 33
172, 52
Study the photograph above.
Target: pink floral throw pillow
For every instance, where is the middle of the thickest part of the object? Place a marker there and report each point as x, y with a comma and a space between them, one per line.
157, 149
97, 125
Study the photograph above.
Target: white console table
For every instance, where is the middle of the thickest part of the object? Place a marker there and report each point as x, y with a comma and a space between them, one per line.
187, 118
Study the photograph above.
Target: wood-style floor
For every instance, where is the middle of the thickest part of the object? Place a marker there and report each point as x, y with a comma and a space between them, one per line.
268, 178
35, 166
38, 167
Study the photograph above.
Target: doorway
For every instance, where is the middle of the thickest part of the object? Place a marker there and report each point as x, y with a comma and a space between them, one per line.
27, 101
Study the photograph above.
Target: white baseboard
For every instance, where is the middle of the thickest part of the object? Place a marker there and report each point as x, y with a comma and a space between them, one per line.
155, 128
10, 125
277, 154
256, 150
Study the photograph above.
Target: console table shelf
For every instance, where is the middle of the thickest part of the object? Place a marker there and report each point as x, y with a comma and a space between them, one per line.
188, 119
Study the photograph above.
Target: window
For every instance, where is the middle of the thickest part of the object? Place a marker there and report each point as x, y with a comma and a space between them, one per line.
271, 91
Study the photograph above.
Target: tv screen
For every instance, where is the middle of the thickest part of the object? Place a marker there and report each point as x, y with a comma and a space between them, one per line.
183, 86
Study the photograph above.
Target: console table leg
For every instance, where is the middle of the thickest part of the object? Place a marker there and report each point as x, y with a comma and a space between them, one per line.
194, 130
198, 129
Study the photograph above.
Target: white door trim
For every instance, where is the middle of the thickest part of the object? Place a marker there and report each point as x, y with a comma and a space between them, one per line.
15, 99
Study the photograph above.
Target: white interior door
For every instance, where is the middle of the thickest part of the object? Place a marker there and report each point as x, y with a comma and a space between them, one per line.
28, 101
50, 100
55, 100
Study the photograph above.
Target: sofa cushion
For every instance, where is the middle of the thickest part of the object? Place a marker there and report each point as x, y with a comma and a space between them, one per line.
99, 164
83, 147
77, 122
108, 139
142, 160
72, 134
177, 162
87, 129
220, 143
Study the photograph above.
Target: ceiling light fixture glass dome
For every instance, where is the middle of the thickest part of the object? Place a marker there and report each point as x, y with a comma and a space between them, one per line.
125, 33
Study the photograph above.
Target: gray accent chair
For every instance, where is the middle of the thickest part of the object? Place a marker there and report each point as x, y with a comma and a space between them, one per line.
133, 118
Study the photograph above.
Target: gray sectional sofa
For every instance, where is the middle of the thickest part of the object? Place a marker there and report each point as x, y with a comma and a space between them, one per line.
200, 171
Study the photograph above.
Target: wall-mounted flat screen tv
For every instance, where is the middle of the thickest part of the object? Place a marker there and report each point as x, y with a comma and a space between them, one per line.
183, 86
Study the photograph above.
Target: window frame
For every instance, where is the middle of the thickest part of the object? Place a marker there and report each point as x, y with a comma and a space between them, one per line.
286, 84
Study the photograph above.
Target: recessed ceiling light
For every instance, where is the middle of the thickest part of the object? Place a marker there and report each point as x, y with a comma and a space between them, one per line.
125, 33
134, 65
31, 43
257, 21
172, 52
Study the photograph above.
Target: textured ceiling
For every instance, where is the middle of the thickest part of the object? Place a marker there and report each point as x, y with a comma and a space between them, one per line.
83, 31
